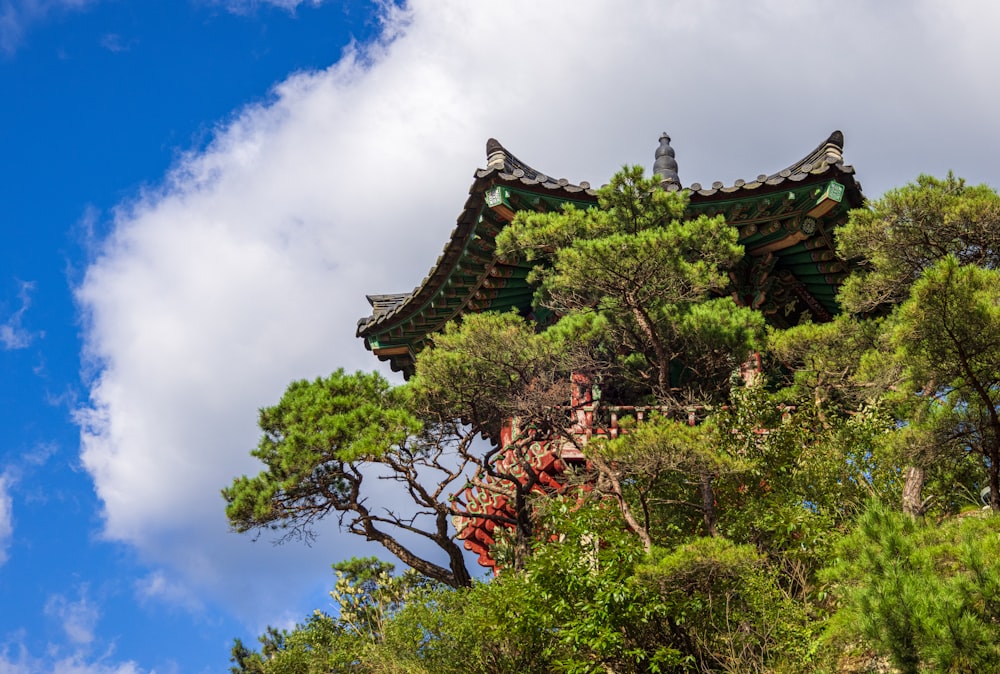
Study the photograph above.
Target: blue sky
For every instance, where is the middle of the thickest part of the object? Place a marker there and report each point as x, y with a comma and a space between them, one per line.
195, 197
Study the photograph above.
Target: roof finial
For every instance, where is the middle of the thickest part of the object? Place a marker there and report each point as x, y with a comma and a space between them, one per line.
665, 165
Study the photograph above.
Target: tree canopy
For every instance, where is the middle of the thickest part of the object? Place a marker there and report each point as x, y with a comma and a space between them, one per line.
649, 278
321, 443
820, 514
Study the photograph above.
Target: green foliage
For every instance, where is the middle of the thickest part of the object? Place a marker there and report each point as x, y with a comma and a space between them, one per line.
580, 582
367, 594
491, 628
650, 276
822, 361
659, 464
725, 609
367, 599
948, 331
928, 258
321, 441
635, 230
901, 235
310, 438
245, 661
947, 336
491, 367
796, 480
927, 596
591, 602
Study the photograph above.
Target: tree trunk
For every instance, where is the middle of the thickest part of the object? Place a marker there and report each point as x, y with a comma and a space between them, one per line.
708, 502
522, 529
648, 329
994, 473
422, 566
913, 504
619, 495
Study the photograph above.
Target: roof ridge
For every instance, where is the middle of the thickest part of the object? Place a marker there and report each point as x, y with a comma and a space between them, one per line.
830, 151
828, 155
502, 161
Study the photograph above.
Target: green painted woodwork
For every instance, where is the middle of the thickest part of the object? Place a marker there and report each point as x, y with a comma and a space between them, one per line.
787, 226
476, 282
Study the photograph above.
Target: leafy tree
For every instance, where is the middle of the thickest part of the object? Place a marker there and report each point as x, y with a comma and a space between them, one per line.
245, 661
490, 369
927, 596
490, 628
660, 465
725, 609
368, 594
578, 606
367, 598
640, 285
948, 335
652, 278
900, 236
856, 360
819, 364
325, 438
796, 478
590, 601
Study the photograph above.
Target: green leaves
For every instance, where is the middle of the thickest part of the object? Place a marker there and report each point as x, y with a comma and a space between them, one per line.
650, 275
925, 595
368, 595
949, 328
492, 367
922, 342
617, 577
632, 249
309, 438
343, 417
947, 337
909, 229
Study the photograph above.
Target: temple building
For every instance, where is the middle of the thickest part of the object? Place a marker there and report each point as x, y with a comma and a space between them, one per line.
790, 272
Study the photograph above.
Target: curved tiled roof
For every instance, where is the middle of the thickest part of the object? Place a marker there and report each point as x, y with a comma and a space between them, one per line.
508, 168
502, 168
785, 221
826, 159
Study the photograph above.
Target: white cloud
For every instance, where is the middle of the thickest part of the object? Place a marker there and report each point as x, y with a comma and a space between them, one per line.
80, 651
16, 659
75, 664
12, 474
158, 586
78, 665
13, 334
6, 516
78, 619
78, 648
246, 6
16, 473
38, 455
114, 43
16, 16
248, 268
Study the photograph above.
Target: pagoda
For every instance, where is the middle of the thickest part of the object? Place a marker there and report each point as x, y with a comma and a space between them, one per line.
790, 272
